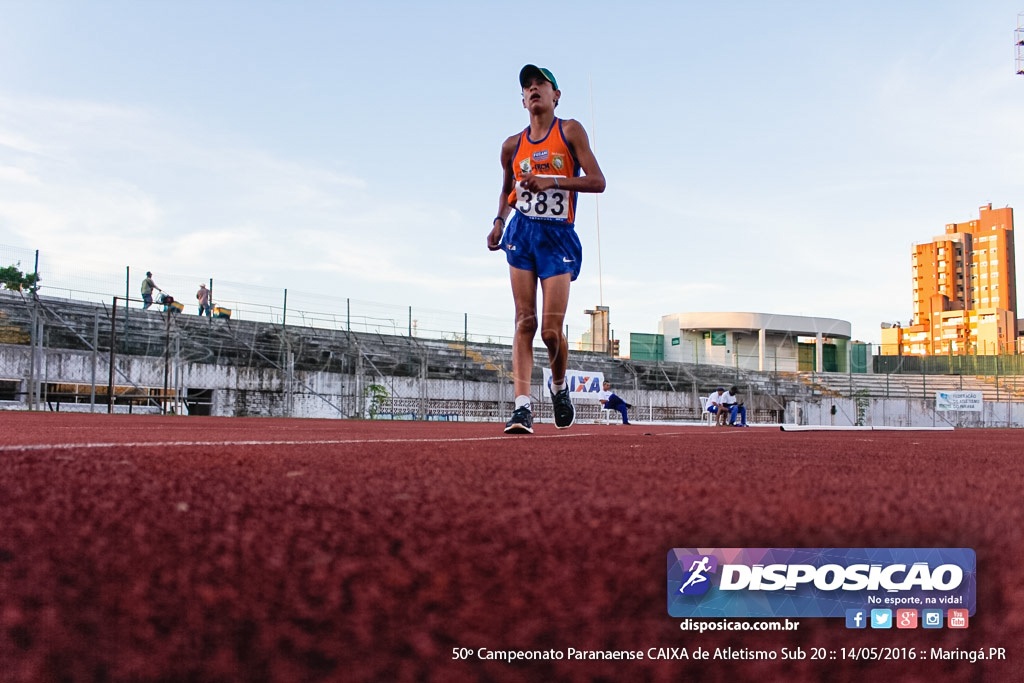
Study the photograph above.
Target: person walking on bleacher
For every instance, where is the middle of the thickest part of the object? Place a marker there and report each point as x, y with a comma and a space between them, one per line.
147, 290
203, 295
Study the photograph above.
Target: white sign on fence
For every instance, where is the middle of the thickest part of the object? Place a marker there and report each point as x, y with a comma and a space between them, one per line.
958, 400
583, 385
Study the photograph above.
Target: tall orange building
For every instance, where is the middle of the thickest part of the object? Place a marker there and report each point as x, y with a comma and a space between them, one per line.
965, 291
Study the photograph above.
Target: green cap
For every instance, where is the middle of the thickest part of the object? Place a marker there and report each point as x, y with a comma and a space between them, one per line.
530, 72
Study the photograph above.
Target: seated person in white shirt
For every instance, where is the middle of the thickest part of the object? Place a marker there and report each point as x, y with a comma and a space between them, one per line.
613, 402
716, 405
735, 406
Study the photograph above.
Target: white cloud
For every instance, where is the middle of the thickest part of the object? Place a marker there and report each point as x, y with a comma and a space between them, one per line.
17, 176
91, 184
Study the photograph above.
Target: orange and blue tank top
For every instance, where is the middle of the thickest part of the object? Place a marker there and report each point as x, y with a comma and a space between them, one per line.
549, 156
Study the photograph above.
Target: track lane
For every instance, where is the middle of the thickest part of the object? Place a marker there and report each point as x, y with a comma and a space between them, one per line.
362, 559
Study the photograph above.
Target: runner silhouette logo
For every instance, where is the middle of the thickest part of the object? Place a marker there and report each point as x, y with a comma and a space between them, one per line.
696, 580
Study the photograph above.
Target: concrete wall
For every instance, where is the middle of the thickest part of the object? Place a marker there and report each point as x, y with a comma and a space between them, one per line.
896, 412
262, 391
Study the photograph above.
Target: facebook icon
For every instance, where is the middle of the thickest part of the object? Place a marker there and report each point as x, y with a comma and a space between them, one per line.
856, 618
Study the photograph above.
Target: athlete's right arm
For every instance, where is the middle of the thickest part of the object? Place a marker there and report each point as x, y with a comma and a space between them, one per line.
508, 150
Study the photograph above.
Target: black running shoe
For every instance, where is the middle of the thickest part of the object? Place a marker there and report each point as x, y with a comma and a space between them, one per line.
521, 422
565, 414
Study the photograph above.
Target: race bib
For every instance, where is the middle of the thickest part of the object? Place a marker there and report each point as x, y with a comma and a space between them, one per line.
552, 204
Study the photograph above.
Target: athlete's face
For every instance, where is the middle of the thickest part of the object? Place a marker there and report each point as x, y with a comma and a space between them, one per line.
539, 95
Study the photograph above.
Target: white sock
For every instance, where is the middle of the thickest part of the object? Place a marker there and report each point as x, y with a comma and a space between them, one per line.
555, 388
522, 401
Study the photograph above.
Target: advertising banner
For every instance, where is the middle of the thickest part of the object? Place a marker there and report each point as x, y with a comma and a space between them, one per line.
583, 384
958, 400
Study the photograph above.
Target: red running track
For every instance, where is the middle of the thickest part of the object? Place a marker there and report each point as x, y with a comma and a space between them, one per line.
259, 549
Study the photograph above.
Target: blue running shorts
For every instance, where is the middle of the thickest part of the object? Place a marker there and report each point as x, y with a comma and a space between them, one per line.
547, 248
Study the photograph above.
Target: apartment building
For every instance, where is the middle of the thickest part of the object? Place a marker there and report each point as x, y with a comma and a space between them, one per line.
964, 291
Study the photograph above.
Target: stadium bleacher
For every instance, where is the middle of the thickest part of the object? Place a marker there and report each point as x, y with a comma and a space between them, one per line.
257, 346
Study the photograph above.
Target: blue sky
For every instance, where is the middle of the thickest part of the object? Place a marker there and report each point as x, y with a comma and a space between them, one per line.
770, 157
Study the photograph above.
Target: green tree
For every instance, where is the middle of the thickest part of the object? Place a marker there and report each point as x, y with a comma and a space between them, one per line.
378, 396
12, 278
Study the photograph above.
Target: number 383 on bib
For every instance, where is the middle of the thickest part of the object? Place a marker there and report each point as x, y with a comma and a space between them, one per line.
552, 203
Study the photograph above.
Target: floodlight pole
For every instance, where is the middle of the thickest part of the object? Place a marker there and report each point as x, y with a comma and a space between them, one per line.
95, 358
113, 344
167, 360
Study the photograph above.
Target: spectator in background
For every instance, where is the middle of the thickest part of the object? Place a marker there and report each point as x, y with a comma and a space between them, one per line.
613, 402
203, 296
716, 405
734, 402
147, 290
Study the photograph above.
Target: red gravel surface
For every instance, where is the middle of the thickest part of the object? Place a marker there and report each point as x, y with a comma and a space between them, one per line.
149, 548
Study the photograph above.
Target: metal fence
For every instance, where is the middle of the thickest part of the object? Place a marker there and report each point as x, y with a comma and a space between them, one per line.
58, 354
997, 362
331, 357
61, 354
281, 306
257, 303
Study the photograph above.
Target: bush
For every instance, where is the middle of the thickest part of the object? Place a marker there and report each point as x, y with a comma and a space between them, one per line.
378, 396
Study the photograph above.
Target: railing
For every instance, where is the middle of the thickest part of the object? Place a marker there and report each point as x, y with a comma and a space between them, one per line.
327, 312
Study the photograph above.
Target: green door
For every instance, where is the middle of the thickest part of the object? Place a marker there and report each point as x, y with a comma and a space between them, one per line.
829, 358
859, 358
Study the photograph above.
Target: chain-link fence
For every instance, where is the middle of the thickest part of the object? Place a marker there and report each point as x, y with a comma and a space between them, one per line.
254, 303
81, 351
70, 353
58, 354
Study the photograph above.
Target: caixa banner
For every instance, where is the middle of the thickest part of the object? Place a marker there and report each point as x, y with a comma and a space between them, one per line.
817, 582
583, 384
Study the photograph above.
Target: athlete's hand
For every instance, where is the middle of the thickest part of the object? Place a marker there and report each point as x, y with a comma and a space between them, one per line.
535, 183
494, 236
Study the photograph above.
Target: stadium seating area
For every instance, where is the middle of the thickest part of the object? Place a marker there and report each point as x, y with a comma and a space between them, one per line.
72, 325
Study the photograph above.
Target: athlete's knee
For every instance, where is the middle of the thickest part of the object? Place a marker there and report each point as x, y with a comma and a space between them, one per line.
527, 325
551, 336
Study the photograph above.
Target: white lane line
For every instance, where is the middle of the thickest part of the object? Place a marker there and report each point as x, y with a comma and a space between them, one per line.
866, 428
313, 442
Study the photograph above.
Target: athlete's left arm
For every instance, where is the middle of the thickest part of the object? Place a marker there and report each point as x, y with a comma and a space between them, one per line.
593, 178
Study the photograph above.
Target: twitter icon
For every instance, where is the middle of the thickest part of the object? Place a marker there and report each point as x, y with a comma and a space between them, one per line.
881, 618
